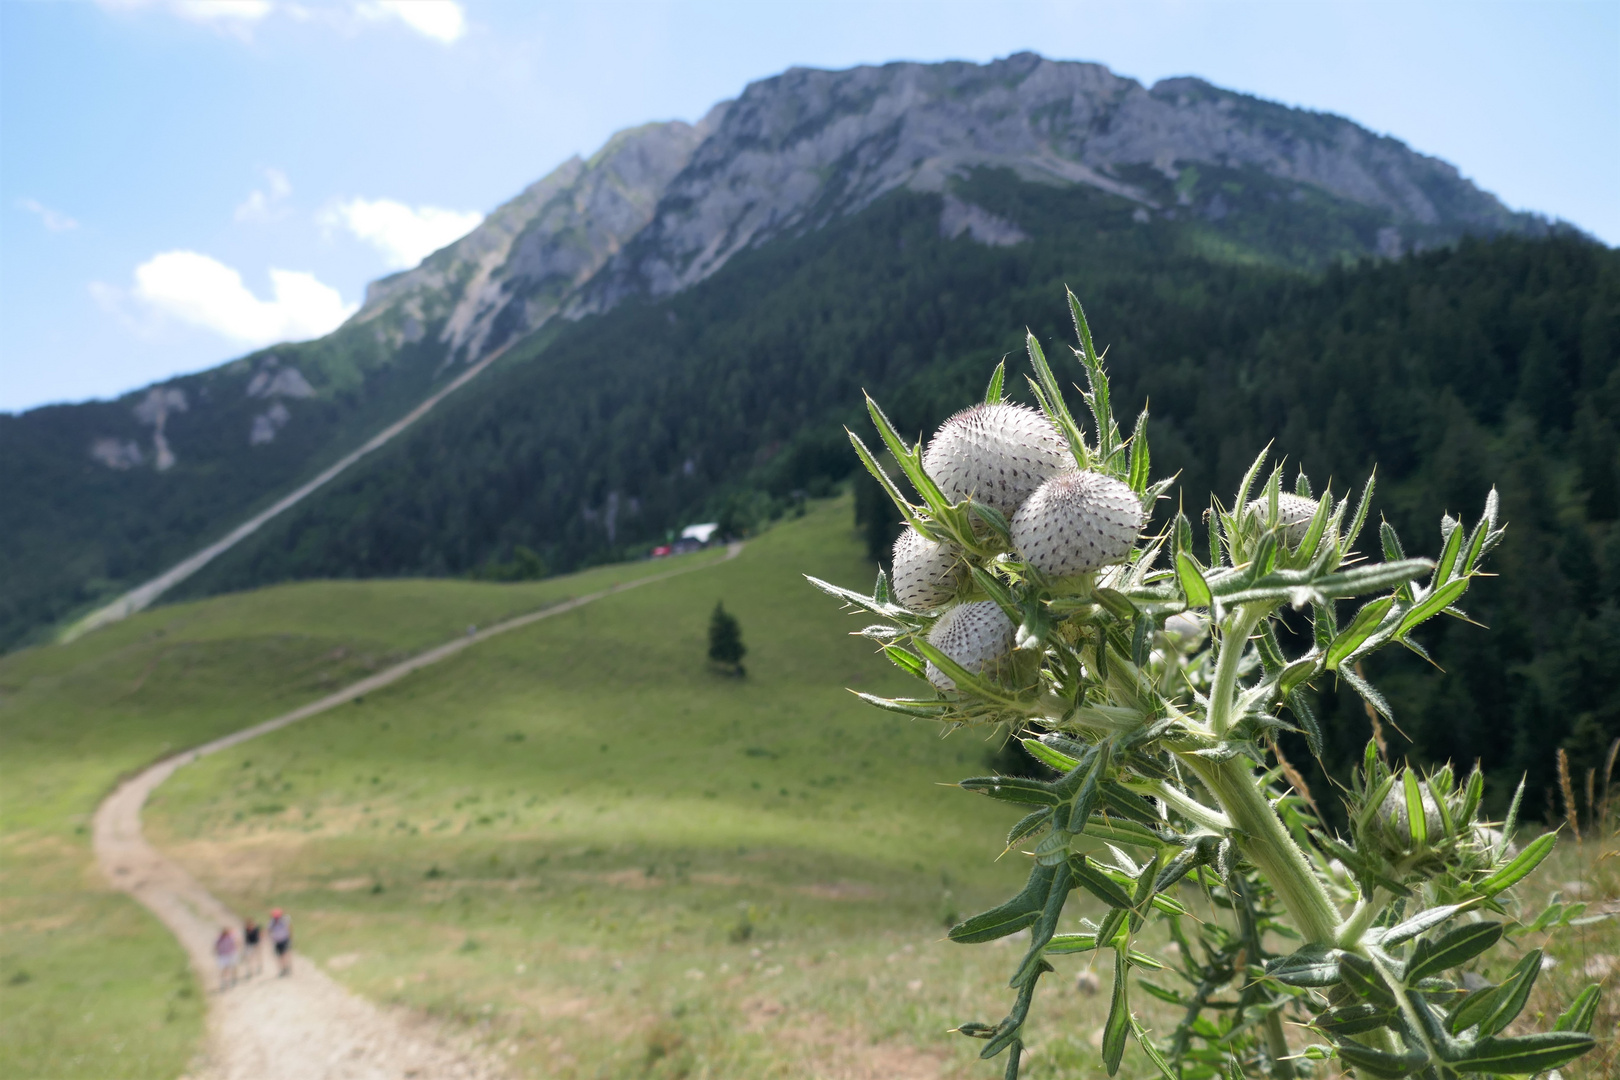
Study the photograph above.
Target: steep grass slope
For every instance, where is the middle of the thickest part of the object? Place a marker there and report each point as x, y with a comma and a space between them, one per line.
621, 861
578, 839
90, 986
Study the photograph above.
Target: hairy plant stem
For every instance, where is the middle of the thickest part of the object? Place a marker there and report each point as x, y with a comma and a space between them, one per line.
1355, 925
1234, 639
1277, 1047
1265, 842
1264, 839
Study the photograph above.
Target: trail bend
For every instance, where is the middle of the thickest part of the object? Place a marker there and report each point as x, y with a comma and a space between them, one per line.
305, 1026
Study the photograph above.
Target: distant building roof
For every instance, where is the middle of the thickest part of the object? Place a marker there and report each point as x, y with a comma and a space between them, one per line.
700, 533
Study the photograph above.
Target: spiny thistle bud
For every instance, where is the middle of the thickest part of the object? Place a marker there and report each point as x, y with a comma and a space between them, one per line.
1184, 630
1395, 818
1419, 850
926, 573
997, 454
1075, 522
978, 636
1294, 513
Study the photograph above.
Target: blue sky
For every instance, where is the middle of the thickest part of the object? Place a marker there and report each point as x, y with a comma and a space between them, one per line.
181, 180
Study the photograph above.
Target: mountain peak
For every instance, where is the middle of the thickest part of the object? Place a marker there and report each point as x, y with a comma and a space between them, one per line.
662, 206
799, 149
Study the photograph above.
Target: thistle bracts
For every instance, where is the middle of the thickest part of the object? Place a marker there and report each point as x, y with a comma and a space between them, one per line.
1294, 514
978, 637
997, 454
1077, 522
1152, 672
924, 573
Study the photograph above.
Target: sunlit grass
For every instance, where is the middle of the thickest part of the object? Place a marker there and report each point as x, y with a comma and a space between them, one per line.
90, 985
579, 840
619, 862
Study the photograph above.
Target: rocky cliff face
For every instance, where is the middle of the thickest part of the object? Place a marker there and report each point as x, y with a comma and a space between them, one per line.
510, 275
799, 149
662, 207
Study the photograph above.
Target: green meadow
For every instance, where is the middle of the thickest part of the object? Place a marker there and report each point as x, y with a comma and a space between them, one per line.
90, 985
577, 840
618, 861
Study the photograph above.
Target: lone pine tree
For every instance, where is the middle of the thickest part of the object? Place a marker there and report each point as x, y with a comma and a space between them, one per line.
726, 646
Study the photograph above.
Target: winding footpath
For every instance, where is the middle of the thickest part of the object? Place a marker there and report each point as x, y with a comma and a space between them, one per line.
305, 1027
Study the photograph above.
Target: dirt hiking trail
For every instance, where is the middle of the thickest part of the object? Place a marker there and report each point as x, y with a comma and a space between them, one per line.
304, 1026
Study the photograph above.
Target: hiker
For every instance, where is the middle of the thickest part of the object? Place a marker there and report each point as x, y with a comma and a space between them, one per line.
281, 938
252, 959
225, 956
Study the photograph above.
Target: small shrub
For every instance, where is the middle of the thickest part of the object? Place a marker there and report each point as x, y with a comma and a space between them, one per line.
726, 648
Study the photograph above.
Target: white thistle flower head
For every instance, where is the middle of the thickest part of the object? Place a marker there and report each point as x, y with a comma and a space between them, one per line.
1077, 522
998, 454
1294, 513
979, 636
1185, 629
925, 573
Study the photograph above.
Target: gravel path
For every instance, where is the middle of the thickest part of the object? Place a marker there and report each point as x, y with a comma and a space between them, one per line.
305, 1026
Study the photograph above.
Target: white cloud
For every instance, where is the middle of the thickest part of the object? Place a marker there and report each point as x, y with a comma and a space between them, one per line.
223, 13
202, 291
54, 220
221, 10
404, 235
264, 204
441, 20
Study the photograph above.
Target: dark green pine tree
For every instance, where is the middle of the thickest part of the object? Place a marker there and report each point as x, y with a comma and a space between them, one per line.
726, 646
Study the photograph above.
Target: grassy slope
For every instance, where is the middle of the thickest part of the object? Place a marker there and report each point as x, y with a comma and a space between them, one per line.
612, 860
623, 861
89, 984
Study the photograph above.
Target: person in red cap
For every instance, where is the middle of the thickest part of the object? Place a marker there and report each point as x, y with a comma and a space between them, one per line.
281, 938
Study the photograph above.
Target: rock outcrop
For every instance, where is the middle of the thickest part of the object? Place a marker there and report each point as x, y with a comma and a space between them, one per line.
663, 206
800, 149
509, 275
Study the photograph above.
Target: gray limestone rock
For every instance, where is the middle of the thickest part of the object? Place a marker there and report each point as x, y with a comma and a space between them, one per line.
663, 206
806, 147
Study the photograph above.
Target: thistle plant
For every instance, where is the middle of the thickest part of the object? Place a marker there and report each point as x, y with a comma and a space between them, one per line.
1152, 675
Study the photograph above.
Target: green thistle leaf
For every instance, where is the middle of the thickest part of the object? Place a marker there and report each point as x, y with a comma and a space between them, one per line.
1119, 1016
1513, 993
1521, 866
1582, 1011
992, 393
1011, 917
1525, 1054
1451, 950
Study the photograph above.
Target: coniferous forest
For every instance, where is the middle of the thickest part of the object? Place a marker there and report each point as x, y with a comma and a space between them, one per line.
1489, 362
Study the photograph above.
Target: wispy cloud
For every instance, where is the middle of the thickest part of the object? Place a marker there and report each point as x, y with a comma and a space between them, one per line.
54, 220
404, 235
265, 204
442, 20
202, 291
235, 17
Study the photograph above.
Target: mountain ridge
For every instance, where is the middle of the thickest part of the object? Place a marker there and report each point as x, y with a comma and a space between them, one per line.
110, 493
770, 166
